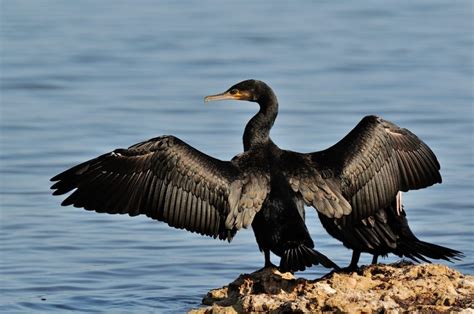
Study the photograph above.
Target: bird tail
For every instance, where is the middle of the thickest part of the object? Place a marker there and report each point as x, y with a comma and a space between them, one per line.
420, 250
299, 257
410, 246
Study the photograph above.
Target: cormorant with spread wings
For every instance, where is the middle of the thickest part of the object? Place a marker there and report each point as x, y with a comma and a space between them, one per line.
354, 185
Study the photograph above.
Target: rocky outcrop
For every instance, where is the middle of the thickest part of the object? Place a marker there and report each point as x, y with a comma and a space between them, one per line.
375, 288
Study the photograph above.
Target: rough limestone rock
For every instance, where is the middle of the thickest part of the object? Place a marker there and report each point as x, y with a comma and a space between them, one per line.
425, 288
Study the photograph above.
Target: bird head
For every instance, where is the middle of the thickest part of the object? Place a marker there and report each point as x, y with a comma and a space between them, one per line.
250, 90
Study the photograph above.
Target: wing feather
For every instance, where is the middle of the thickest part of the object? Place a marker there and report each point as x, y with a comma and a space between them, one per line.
168, 180
364, 171
375, 161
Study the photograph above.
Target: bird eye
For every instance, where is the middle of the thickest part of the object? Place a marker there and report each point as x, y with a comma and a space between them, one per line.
233, 91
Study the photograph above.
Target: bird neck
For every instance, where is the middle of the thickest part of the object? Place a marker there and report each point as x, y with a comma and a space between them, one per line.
257, 131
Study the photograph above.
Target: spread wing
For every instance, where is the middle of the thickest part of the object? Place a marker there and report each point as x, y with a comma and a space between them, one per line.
368, 167
167, 180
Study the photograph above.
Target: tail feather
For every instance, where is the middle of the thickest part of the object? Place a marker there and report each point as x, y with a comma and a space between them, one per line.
306, 260
416, 249
299, 257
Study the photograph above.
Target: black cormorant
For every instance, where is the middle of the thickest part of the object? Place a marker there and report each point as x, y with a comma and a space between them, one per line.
168, 180
354, 185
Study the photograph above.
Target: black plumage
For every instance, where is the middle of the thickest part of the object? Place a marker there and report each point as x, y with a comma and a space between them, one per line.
353, 185
374, 163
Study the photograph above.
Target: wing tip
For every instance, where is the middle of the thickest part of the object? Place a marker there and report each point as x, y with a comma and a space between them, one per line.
56, 177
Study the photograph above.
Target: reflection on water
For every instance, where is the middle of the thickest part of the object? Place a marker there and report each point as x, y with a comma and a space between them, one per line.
78, 80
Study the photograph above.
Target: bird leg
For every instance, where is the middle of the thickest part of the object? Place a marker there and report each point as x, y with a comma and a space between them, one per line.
374, 259
353, 265
268, 263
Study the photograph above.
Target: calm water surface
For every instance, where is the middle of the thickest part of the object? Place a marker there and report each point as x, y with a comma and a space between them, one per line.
81, 78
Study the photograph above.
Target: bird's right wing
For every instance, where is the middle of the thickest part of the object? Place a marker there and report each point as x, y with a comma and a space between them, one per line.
364, 171
375, 161
167, 180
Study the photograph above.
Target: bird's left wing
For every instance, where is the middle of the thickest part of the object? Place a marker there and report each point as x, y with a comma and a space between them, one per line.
167, 180
365, 170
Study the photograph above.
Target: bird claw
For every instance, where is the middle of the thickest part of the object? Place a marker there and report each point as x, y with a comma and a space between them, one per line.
349, 269
268, 266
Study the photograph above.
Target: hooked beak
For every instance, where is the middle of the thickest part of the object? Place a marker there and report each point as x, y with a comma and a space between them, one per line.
222, 96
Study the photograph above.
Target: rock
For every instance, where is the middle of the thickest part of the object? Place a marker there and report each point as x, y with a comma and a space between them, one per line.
375, 288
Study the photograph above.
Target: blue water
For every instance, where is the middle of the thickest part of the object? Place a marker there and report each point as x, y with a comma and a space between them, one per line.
81, 78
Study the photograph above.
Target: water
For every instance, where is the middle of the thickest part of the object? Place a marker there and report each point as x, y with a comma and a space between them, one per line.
81, 78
